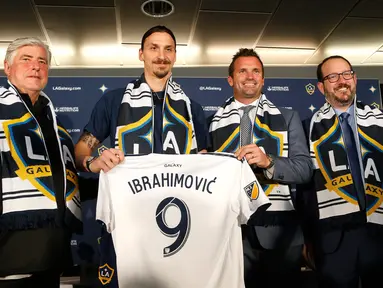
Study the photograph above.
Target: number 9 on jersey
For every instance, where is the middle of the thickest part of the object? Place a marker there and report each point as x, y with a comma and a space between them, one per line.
180, 231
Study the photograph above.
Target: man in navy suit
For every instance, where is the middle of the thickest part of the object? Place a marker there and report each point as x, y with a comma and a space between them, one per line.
273, 142
342, 206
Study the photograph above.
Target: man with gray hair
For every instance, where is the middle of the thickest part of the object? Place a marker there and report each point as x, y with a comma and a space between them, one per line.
39, 202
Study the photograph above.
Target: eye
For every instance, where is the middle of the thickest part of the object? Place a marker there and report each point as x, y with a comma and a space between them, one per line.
332, 76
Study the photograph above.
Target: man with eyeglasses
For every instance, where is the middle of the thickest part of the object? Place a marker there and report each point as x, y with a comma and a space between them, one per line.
343, 211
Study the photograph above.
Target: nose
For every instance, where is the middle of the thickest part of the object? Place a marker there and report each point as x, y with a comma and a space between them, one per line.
35, 65
249, 75
161, 54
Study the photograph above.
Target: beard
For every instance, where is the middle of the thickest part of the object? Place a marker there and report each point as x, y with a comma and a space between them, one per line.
161, 73
344, 99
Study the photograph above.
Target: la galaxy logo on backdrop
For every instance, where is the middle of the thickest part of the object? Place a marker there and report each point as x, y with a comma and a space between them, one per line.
28, 151
310, 88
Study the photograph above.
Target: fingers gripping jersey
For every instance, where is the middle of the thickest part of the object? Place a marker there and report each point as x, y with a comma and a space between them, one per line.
175, 219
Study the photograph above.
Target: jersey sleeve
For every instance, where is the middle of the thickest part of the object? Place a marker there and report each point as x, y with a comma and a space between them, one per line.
252, 198
104, 208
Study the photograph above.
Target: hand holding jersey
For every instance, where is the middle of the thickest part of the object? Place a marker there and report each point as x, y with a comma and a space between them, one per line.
108, 159
178, 217
254, 155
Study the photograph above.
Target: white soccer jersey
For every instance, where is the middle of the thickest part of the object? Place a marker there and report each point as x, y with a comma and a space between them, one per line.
175, 219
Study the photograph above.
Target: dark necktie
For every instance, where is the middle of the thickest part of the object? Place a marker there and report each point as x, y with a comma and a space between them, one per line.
352, 153
245, 126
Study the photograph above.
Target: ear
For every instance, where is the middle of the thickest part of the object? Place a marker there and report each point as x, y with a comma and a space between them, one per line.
320, 86
230, 81
7, 68
140, 55
263, 81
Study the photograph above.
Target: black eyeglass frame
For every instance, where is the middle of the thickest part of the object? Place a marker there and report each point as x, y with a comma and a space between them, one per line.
336, 78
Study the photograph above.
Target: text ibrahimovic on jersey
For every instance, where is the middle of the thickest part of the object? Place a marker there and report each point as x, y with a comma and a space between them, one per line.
175, 219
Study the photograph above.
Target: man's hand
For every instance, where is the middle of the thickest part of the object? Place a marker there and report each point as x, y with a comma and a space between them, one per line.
254, 155
107, 160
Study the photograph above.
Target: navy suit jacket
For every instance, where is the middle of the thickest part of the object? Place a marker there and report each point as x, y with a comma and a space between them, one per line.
307, 207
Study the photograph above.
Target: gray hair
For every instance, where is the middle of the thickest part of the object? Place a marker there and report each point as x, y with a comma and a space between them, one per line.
26, 41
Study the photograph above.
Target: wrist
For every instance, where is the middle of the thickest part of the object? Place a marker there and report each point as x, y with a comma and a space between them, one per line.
271, 161
88, 162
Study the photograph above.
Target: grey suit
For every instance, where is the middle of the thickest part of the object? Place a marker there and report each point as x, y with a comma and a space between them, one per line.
295, 169
273, 253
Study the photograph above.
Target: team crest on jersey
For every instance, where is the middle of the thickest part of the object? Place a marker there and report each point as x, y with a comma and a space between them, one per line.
252, 190
28, 151
105, 274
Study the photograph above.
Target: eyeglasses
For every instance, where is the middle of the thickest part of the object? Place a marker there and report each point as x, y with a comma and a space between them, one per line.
334, 77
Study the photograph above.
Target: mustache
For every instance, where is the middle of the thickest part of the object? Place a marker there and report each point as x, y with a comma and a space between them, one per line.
161, 61
343, 85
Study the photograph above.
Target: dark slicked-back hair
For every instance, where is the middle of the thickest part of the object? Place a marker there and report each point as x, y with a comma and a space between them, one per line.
319, 68
245, 52
155, 29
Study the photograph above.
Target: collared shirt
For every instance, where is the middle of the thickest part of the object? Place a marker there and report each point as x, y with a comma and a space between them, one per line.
351, 119
252, 114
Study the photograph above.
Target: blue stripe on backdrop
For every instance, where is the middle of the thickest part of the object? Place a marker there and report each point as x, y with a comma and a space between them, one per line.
75, 97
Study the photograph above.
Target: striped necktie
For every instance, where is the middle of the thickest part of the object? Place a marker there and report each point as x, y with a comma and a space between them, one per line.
245, 126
